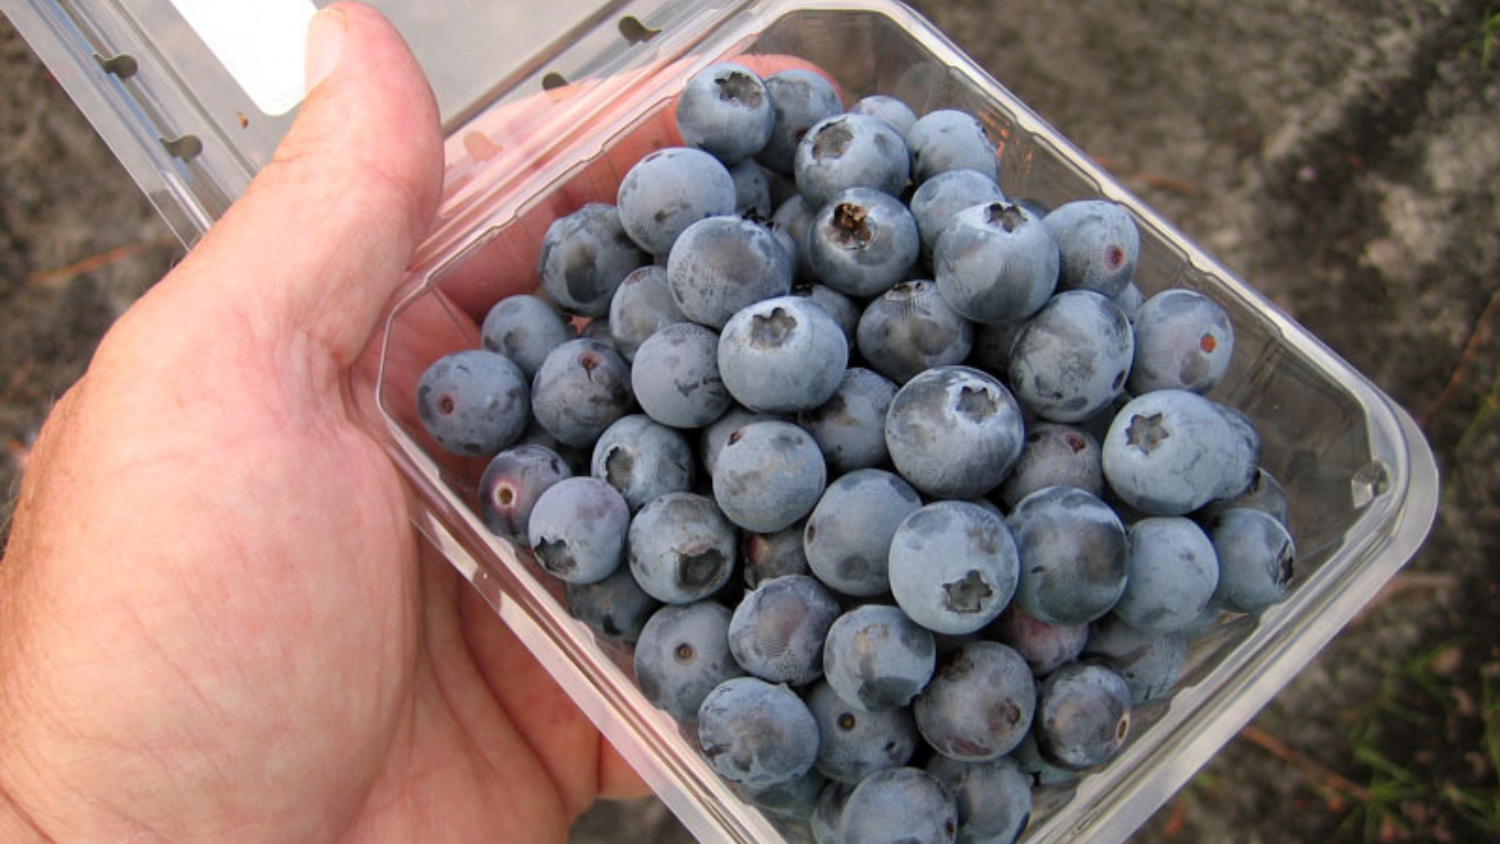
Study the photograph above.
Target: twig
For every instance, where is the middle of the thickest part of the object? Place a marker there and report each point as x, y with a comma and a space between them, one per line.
61, 275
1314, 772
1146, 177
1481, 334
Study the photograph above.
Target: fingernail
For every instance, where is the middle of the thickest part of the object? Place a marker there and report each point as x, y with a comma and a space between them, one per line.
325, 43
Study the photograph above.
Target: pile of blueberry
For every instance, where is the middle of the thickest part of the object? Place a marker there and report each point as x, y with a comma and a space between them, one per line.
902, 493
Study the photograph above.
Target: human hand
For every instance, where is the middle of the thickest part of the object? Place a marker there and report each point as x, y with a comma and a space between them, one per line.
215, 624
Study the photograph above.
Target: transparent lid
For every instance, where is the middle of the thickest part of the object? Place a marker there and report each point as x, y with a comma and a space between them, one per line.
194, 95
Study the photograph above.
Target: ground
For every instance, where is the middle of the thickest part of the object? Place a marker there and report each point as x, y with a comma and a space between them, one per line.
1342, 156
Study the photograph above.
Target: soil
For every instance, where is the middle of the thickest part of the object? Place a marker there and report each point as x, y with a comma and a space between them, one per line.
1342, 156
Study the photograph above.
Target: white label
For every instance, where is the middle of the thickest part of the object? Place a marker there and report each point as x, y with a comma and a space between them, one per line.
260, 42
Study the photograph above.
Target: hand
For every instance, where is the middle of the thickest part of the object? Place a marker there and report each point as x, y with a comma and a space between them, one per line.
215, 620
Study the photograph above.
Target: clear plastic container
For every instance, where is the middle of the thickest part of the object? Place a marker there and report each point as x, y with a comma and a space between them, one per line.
529, 140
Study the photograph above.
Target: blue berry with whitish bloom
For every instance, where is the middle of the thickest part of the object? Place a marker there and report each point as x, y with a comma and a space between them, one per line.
777, 630
899, 806
937, 200
682, 654
1073, 552
897, 114
1072, 357
585, 255
577, 529
844, 310
1171, 573
511, 484
876, 658
855, 743
616, 607
911, 328
993, 798
642, 304
782, 355
1183, 341
775, 554
1098, 243
992, 345
714, 435
848, 536
1083, 714
947, 412
850, 151
850, 426
995, 263
752, 189
1264, 493
1055, 455
793, 801
669, 190
1256, 559
722, 264
949, 139
952, 566
828, 812
1150, 663
676, 376
794, 216
681, 548
525, 329
1046, 647
642, 459
582, 387
862, 242
1169, 452
768, 475
799, 98
725, 110
979, 704
473, 402
757, 734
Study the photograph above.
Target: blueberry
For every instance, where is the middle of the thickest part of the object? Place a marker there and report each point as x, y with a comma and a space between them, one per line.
850, 151
511, 484
757, 734
524, 328
848, 535
778, 628
682, 654
642, 459
752, 190
953, 566
676, 376
828, 812
1264, 493
1072, 357
1041, 772
1046, 647
782, 355
577, 529
681, 548
949, 139
1171, 573
776, 554
954, 432
768, 475
642, 304
850, 427
725, 110
897, 114
844, 310
473, 402
856, 743
799, 99
793, 801
979, 704
995, 262
1129, 300
1082, 715
722, 264
877, 658
581, 388
862, 242
911, 328
1099, 245
1256, 557
899, 806
993, 798
717, 433
1073, 551
992, 345
1183, 341
669, 190
1150, 663
1169, 452
1054, 455
576, 459
585, 255
936, 200
616, 607
597, 329
794, 217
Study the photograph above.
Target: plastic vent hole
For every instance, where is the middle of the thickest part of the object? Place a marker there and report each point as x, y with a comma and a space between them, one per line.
636, 32
186, 147
123, 66
554, 80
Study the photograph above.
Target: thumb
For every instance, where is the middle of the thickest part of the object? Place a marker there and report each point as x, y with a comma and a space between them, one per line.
316, 246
